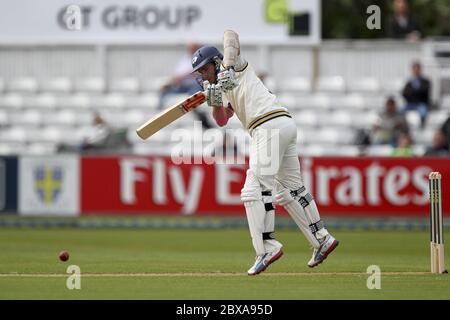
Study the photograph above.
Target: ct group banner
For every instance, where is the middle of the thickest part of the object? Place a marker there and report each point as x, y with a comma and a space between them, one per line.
163, 21
341, 186
8, 184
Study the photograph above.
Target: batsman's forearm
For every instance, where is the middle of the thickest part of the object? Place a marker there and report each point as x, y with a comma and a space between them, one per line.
220, 114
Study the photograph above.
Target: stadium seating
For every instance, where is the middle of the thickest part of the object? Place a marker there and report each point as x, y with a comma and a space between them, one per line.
125, 85
23, 85
39, 111
57, 85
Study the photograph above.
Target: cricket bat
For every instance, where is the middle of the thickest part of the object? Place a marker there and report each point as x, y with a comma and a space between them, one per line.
166, 117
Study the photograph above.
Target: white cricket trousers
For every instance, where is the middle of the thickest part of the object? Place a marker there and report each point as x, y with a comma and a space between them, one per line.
273, 154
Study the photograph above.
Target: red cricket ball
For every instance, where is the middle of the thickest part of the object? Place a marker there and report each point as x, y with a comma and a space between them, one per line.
63, 256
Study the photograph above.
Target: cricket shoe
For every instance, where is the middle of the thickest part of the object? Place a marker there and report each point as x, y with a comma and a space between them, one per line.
263, 261
321, 253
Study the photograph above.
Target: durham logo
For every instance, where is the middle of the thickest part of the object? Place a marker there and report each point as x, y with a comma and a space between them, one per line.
48, 183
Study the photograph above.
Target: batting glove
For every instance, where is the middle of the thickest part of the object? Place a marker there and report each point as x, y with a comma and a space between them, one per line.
213, 94
227, 79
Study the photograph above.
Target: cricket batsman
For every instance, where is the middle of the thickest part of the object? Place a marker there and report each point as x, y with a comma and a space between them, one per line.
232, 87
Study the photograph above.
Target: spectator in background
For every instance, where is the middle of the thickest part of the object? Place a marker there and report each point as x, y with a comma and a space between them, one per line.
439, 147
404, 146
94, 139
402, 25
417, 93
184, 81
98, 135
389, 125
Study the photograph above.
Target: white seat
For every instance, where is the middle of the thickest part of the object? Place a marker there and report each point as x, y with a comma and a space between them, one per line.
393, 85
331, 136
154, 84
90, 84
331, 84
62, 118
147, 101
108, 101
317, 101
295, 85
115, 118
351, 101
346, 151
174, 99
114, 100
423, 136
23, 85
366, 85
374, 103
305, 135
288, 100
131, 119
83, 117
413, 119
76, 101
419, 149
43, 101
336, 118
151, 147
124, 85
26, 118
326, 150
12, 101
4, 118
11, 148
41, 149
134, 118
306, 118
380, 150
436, 119
75, 136
346, 136
14, 134
57, 85
312, 150
445, 104
134, 138
364, 120
47, 134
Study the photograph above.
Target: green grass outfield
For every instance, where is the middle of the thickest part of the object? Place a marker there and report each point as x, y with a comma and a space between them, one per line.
211, 264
